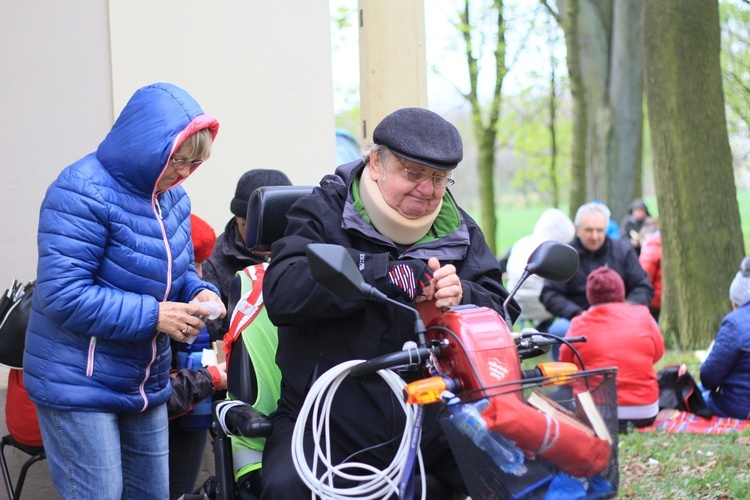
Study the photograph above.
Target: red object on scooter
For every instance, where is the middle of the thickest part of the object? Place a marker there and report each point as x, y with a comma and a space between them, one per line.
570, 449
477, 348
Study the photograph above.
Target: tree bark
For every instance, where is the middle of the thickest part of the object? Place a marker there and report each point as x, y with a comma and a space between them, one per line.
603, 38
569, 21
700, 224
485, 121
625, 141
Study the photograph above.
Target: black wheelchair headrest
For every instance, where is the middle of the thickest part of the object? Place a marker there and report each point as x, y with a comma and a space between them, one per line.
266, 214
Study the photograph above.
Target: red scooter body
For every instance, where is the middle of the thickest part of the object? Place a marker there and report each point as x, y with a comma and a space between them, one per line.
480, 351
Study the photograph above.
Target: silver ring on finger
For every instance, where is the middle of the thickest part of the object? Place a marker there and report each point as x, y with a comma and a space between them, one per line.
184, 332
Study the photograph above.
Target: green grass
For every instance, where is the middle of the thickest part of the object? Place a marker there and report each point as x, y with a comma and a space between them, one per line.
660, 465
675, 466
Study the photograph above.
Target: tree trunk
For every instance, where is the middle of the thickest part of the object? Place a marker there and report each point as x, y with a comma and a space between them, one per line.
700, 224
603, 39
625, 142
594, 34
485, 121
552, 105
569, 21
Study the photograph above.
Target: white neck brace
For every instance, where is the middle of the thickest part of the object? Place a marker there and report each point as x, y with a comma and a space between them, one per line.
387, 220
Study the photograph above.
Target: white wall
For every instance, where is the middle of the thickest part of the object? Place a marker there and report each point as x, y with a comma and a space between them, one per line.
67, 69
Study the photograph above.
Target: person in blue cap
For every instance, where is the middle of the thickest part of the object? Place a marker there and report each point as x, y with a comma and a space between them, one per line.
394, 212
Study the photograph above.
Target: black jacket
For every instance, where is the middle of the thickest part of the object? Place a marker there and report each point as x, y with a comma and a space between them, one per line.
566, 300
318, 330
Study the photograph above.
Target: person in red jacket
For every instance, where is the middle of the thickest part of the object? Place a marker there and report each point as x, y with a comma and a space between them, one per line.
622, 335
650, 259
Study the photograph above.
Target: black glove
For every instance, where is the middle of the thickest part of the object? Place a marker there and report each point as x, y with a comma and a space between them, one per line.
410, 277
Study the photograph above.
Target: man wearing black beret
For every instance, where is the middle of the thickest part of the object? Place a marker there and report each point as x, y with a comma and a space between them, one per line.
393, 211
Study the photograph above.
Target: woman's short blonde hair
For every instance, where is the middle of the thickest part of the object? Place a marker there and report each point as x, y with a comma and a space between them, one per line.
196, 146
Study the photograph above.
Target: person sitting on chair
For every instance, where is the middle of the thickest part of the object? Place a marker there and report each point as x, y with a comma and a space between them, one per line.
231, 254
409, 239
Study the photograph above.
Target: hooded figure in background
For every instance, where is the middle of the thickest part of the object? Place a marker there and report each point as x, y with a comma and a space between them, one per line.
115, 278
553, 225
631, 225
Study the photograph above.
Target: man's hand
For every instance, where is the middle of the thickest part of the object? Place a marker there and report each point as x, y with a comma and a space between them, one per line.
410, 277
445, 288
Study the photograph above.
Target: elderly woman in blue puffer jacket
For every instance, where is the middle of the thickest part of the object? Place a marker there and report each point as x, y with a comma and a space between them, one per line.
115, 280
725, 374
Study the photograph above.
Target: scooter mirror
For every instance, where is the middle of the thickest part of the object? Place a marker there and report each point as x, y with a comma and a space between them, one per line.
333, 267
553, 261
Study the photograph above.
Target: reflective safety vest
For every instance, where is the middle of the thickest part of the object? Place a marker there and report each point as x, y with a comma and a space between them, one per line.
250, 322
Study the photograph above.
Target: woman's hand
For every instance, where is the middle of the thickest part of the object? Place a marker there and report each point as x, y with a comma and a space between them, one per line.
179, 320
209, 296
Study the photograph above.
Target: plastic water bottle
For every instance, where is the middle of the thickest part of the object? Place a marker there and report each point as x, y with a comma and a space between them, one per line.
189, 356
468, 419
214, 312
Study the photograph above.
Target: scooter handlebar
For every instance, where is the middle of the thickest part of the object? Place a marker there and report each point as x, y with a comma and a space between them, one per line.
412, 356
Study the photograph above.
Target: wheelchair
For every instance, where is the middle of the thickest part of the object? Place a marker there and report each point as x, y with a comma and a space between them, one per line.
266, 222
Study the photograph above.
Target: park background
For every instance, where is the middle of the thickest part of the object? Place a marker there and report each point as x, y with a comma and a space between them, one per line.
541, 127
282, 75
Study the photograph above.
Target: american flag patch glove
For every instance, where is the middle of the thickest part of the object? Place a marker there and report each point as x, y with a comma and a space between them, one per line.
410, 277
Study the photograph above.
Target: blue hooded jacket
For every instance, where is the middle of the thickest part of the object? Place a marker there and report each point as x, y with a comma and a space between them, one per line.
111, 247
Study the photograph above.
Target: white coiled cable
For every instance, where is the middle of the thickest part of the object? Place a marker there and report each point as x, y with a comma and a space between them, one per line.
371, 483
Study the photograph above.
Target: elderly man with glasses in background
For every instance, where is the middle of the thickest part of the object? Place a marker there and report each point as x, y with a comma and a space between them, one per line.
409, 239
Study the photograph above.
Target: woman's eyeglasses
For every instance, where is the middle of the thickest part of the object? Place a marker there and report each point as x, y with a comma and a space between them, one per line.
180, 163
418, 176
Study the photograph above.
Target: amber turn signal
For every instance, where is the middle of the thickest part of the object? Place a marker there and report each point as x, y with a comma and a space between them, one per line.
557, 371
429, 390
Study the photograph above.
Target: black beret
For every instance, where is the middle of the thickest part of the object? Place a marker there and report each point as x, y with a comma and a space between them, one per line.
252, 180
421, 136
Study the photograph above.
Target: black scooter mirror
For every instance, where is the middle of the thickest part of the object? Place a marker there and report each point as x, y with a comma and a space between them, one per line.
333, 267
553, 261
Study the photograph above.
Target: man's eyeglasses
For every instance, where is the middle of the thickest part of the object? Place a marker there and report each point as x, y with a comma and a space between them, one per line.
419, 176
180, 163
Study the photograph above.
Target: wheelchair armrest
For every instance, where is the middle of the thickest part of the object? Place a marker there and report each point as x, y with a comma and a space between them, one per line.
241, 419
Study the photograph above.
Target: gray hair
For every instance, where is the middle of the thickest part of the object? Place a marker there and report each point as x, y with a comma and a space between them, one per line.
380, 150
592, 208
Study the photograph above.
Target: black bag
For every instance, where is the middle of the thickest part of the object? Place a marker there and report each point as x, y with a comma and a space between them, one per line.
678, 391
15, 308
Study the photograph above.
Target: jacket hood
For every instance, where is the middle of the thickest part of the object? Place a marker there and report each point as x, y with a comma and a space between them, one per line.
553, 224
638, 204
152, 125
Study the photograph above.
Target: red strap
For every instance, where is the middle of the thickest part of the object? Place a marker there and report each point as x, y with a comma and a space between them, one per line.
247, 308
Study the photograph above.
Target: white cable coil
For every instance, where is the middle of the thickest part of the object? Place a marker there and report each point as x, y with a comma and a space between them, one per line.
373, 483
